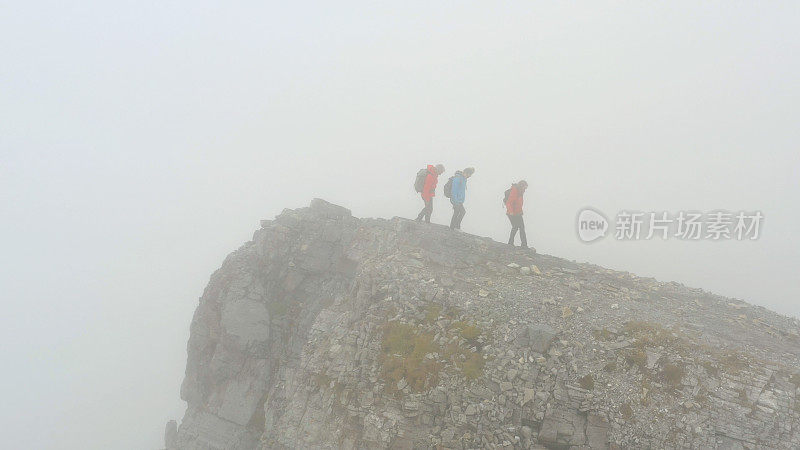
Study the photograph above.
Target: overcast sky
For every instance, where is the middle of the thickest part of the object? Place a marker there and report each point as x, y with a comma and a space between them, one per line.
140, 143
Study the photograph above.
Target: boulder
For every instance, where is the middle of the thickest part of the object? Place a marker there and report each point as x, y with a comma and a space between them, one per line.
539, 337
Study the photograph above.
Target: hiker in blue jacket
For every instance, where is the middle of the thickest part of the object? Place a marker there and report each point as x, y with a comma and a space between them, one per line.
457, 196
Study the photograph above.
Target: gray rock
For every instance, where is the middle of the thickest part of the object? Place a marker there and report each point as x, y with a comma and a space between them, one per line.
652, 358
511, 375
540, 337
171, 435
288, 348
326, 209
563, 428
596, 431
528, 395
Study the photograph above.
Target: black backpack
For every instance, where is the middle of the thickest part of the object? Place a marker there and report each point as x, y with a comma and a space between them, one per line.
448, 187
419, 182
505, 197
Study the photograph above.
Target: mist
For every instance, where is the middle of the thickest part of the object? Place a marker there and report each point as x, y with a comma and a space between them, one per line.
141, 143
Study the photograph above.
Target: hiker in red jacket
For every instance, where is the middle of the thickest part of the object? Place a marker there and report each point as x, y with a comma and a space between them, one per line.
514, 212
429, 191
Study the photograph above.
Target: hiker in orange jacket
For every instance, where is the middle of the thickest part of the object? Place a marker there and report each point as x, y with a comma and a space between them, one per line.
429, 191
514, 212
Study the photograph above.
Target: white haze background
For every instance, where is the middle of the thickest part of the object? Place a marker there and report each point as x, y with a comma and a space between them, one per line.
140, 142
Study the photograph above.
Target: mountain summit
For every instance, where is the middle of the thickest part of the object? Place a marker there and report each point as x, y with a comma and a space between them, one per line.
329, 331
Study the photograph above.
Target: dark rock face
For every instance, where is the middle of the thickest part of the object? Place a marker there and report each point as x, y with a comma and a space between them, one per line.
328, 331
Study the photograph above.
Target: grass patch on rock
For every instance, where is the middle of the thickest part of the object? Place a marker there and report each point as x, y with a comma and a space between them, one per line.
403, 356
472, 367
636, 357
603, 335
432, 312
652, 334
673, 374
732, 363
702, 398
468, 331
470, 362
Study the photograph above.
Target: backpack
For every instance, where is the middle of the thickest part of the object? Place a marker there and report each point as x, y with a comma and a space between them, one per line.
448, 187
505, 197
419, 182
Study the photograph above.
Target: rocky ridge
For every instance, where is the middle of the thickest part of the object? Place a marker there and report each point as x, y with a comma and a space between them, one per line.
329, 331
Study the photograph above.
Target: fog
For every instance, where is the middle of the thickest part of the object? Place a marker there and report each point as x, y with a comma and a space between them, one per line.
141, 143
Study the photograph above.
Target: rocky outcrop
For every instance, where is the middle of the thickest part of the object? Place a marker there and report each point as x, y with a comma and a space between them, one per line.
328, 331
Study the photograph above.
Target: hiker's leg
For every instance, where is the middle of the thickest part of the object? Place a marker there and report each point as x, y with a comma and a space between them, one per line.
522, 237
461, 213
421, 214
458, 214
428, 210
513, 229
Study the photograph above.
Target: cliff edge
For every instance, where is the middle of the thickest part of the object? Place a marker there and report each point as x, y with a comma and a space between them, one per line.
329, 331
